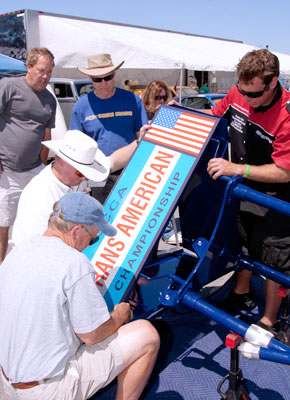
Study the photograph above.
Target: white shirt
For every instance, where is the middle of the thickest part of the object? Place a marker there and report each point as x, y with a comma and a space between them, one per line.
36, 202
47, 294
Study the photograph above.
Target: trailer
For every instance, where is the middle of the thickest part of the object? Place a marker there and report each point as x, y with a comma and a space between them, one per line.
149, 53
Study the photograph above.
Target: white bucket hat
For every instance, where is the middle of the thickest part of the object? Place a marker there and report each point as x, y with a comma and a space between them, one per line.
81, 152
100, 64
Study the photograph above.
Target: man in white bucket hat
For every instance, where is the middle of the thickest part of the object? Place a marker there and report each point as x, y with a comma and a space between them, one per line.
113, 117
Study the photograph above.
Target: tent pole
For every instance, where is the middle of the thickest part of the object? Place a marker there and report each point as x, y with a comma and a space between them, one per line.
181, 82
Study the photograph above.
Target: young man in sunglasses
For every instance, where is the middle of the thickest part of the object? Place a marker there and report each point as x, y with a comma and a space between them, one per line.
257, 109
113, 117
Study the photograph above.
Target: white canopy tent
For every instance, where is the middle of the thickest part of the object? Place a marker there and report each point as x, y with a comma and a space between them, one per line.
72, 39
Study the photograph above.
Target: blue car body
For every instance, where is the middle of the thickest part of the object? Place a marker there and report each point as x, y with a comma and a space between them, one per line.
202, 101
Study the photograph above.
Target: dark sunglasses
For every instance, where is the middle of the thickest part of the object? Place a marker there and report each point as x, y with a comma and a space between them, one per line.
106, 78
93, 239
161, 98
254, 95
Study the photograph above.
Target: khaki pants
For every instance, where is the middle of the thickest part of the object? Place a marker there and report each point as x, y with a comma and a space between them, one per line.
92, 368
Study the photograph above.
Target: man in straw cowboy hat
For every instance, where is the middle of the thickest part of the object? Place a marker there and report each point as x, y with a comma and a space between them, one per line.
64, 344
111, 116
78, 163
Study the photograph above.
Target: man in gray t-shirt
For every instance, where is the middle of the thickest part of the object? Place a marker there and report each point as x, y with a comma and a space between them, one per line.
27, 114
58, 339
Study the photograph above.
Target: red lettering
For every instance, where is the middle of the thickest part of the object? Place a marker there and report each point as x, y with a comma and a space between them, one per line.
164, 156
112, 243
125, 229
141, 192
103, 267
158, 168
146, 176
137, 203
132, 217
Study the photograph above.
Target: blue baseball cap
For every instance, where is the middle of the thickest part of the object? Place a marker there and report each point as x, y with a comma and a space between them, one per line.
81, 208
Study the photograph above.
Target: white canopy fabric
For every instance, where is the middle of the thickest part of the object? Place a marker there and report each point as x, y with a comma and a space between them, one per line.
71, 40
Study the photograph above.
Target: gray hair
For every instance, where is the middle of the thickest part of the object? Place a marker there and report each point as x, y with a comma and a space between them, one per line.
55, 222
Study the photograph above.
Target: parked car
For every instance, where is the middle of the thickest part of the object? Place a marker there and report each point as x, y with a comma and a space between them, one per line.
185, 91
202, 101
68, 91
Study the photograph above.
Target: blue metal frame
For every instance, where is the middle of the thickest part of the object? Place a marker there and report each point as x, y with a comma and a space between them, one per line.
219, 246
208, 211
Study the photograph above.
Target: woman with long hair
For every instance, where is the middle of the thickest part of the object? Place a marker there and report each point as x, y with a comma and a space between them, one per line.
156, 94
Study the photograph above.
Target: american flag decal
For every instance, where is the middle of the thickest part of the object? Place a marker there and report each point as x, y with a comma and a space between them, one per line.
180, 130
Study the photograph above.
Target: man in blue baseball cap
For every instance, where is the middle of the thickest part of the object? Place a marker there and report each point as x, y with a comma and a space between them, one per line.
58, 339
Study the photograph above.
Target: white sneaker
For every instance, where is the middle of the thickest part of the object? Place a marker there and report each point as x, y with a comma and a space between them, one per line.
172, 239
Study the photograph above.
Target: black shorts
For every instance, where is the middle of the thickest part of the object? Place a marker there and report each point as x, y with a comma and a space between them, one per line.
266, 239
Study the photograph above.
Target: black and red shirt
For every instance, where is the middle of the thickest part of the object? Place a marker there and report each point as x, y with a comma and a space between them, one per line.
259, 135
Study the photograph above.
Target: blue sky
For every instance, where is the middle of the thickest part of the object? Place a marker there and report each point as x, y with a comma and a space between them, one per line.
255, 22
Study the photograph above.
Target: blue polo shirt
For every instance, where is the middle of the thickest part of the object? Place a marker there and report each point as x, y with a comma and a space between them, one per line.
112, 122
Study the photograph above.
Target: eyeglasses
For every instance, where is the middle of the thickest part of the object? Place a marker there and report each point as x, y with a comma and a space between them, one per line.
79, 174
106, 78
94, 239
254, 95
161, 98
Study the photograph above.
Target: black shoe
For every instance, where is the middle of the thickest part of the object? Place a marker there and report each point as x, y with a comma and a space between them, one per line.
267, 328
243, 301
279, 335
283, 332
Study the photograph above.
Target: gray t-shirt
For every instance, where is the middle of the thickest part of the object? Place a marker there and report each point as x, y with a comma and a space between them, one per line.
47, 293
24, 115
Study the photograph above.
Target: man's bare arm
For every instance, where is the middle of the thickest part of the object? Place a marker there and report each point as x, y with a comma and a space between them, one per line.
204, 111
120, 157
268, 173
119, 316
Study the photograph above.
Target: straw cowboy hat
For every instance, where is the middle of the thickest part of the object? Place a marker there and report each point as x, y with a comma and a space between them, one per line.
81, 152
100, 64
